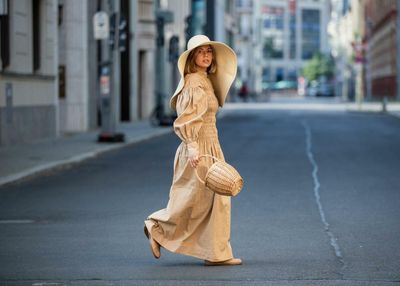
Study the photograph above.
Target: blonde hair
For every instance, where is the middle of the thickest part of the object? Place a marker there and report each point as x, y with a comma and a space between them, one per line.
191, 67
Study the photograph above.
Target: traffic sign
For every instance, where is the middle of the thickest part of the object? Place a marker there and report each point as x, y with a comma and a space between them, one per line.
101, 26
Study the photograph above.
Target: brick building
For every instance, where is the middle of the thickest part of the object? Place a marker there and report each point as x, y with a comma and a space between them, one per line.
380, 36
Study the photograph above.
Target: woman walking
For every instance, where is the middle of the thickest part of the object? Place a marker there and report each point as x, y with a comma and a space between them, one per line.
196, 221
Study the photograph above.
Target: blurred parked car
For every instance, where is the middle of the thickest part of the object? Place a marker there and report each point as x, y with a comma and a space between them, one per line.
312, 88
325, 89
320, 88
267, 85
279, 85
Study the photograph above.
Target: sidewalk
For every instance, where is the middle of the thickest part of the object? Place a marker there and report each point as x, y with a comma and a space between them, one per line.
18, 162
314, 104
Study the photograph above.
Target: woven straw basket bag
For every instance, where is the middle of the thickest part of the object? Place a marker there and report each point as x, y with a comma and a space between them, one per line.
222, 178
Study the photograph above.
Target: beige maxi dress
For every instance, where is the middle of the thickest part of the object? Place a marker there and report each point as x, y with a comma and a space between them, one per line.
196, 221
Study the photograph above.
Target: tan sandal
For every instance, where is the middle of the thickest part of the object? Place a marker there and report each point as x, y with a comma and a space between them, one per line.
232, 261
154, 245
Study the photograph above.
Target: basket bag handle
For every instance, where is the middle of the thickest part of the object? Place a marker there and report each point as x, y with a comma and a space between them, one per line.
197, 174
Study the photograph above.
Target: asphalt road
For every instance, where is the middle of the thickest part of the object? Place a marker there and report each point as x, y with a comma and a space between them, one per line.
321, 206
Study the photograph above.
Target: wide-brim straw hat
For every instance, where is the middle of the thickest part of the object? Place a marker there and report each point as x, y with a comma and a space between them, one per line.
224, 74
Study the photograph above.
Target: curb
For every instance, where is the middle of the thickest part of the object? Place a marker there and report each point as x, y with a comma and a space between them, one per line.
394, 114
77, 159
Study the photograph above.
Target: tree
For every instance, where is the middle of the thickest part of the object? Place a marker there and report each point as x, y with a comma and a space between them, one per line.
268, 49
319, 65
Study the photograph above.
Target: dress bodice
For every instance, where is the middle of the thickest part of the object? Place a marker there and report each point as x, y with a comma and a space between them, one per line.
212, 103
209, 129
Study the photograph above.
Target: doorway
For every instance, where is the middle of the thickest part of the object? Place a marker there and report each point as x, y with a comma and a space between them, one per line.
141, 85
125, 66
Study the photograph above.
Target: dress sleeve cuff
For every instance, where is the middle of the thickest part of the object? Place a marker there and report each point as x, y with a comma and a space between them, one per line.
192, 148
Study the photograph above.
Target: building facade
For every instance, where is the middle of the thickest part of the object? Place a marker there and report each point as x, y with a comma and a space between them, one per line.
244, 43
343, 32
287, 34
175, 31
28, 71
220, 24
50, 62
142, 61
381, 52
146, 76
77, 66
364, 45
220, 21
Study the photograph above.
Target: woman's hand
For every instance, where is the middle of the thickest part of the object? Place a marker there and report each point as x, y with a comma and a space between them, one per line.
193, 154
194, 160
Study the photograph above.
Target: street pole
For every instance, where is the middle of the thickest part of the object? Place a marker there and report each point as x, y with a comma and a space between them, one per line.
114, 56
198, 7
359, 91
108, 75
159, 116
173, 58
160, 64
105, 83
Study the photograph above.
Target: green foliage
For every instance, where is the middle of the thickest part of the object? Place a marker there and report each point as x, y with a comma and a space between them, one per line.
268, 48
319, 65
270, 51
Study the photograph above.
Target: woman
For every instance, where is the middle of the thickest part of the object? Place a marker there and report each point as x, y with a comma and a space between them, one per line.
196, 221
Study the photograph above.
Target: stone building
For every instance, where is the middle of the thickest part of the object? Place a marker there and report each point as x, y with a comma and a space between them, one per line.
77, 66
286, 34
50, 62
28, 71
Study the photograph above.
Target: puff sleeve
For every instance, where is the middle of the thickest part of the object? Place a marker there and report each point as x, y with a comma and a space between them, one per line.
191, 106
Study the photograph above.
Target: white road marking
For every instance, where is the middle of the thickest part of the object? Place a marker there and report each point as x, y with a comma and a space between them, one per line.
317, 196
47, 284
16, 221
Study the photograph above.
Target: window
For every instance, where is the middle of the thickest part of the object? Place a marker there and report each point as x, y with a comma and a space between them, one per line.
228, 6
266, 74
310, 33
292, 74
5, 38
36, 33
273, 24
60, 13
244, 3
280, 74
292, 29
61, 81
345, 7
273, 17
273, 47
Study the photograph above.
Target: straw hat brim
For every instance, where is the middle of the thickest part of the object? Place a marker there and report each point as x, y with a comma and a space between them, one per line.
223, 77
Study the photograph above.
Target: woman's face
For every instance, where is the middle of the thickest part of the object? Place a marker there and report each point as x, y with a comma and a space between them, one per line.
203, 57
